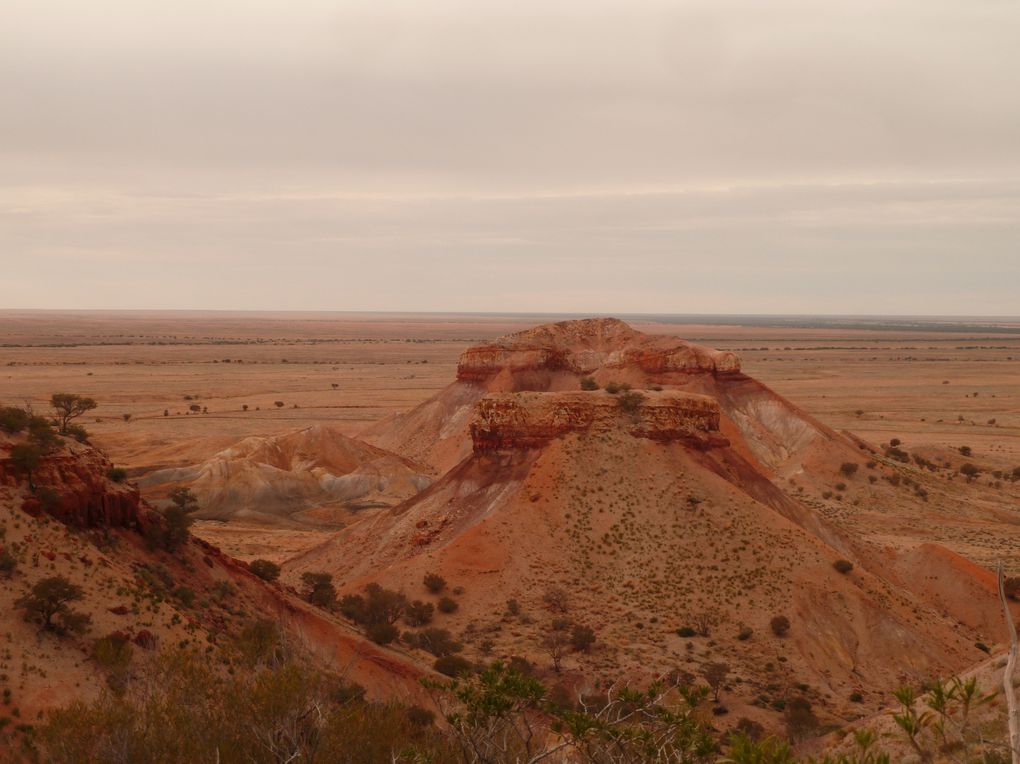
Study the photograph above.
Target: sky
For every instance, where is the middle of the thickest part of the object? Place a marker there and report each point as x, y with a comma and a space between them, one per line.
582, 156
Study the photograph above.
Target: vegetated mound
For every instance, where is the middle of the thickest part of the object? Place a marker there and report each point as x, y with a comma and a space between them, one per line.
129, 598
666, 518
291, 477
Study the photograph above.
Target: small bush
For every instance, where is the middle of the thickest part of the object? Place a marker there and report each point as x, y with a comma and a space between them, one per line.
848, 468
686, 631
843, 566
418, 613
856, 697
745, 633
780, 625
434, 582
589, 383
265, 569
381, 633
447, 605
582, 638
617, 387
452, 665
117, 474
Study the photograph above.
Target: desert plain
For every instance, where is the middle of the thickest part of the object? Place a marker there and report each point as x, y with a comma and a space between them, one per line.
934, 383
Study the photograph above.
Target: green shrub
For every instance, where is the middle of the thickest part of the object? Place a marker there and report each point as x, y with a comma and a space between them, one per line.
381, 633
265, 569
447, 605
843, 566
117, 474
434, 582
780, 625
452, 665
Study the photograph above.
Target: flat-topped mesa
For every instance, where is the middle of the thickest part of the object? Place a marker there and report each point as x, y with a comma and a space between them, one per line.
528, 420
585, 346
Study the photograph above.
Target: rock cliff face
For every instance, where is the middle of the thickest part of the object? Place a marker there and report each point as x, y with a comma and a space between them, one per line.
528, 420
80, 493
587, 346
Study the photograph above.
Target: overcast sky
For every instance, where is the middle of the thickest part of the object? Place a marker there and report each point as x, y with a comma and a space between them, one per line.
558, 155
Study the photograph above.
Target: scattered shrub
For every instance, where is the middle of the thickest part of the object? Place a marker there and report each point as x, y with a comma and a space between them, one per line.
843, 566
447, 605
434, 582
265, 569
589, 383
780, 625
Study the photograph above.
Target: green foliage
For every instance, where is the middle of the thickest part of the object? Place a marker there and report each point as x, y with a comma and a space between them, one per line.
439, 642
77, 432
187, 711
13, 419
264, 569
46, 605
117, 474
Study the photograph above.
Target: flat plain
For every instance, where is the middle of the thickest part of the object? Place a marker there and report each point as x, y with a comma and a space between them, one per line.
948, 382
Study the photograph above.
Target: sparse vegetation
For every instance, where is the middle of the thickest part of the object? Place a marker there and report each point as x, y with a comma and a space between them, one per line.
265, 569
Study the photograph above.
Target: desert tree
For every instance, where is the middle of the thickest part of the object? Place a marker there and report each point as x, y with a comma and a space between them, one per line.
46, 604
715, 675
26, 458
69, 406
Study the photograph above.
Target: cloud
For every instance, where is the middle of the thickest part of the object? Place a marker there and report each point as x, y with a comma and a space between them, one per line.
440, 154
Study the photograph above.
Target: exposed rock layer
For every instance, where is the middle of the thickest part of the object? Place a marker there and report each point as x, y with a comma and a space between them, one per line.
527, 420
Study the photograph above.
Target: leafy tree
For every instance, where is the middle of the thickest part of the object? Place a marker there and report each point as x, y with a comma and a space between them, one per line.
418, 613
69, 406
715, 674
26, 458
184, 498
319, 589
13, 419
46, 604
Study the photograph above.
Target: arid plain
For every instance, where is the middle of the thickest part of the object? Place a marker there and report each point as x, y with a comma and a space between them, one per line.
935, 384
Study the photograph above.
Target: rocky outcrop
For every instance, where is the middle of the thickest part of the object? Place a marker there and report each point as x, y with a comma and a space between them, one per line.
590, 345
529, 420
277, 478
72, 486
